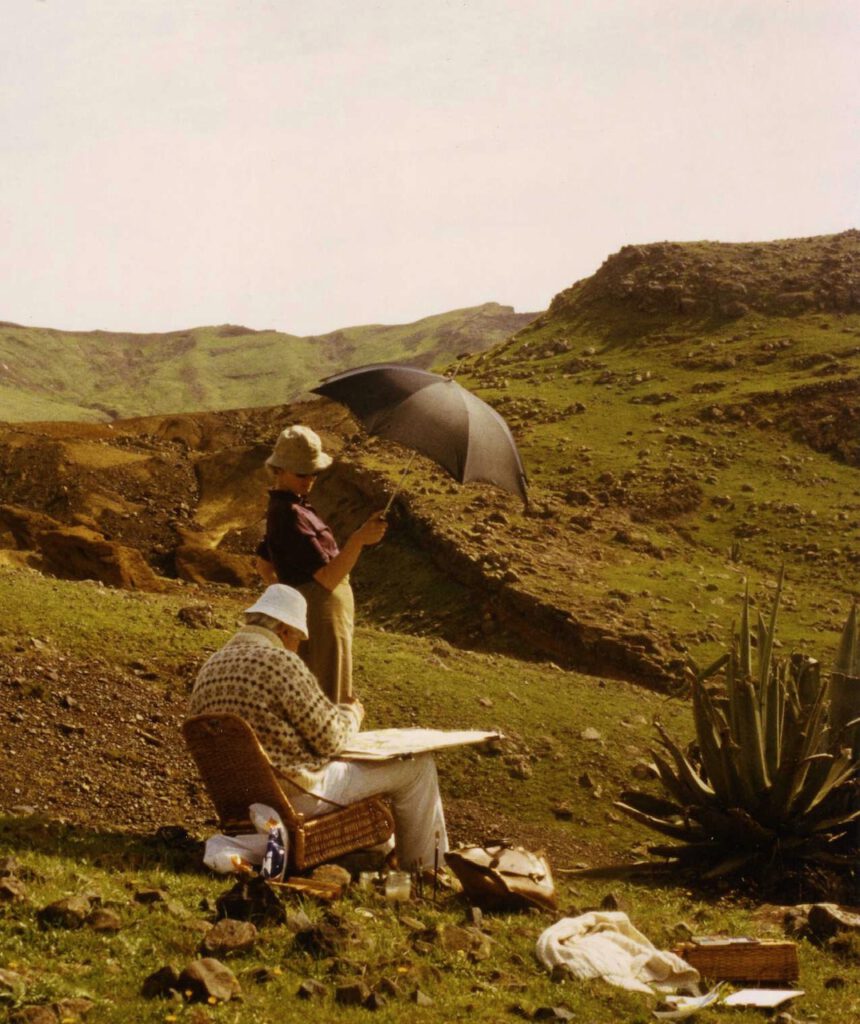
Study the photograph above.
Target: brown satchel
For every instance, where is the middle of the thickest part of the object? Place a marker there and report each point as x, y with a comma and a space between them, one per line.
504, 877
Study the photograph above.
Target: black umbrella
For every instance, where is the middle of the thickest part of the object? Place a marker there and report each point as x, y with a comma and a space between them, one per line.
436, 417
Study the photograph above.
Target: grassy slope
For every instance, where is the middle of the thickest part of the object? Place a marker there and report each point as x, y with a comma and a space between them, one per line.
48, 374
403, 678
762, 488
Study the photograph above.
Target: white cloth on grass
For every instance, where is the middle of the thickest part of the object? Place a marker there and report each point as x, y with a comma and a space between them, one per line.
604, 944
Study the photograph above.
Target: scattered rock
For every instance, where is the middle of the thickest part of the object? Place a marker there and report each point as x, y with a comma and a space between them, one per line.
196, 616
149, 896
590, 734
610, 902
11, 983
835, 982
9, 866
332, 873
160, 983
229, 936
12, 890
71, 912
421, 998
375, 1001
455, 939
311, 989
73, 1009
355, 993
104, 920
564, 812
826, 919
298, 921
209, 978
252, 900
34, 1015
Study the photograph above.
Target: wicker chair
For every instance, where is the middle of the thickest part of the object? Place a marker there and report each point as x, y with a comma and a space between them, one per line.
237, 772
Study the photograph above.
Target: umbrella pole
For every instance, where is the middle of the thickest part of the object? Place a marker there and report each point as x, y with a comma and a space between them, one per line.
403, 474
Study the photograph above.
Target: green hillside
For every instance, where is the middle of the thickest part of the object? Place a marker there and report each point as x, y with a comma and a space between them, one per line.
98, 375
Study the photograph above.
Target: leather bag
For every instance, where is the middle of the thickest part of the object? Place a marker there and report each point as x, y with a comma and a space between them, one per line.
504, 877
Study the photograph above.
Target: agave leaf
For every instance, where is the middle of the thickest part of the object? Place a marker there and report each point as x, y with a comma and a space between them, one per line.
668, 828
840, 821
765, 650
750, 738
745, 637
848, 654
687, 774
772, 719
712, 669
751, 827
689, 851
709, 722
717, 822
649, 804
731, 864
814, 792
670, 779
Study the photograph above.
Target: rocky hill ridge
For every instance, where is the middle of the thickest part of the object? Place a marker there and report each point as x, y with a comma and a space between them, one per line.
725, 279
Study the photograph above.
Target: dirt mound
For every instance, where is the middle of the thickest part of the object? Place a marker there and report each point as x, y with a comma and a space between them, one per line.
726, 280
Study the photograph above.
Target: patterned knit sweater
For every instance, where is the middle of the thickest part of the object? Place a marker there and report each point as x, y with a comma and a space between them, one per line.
256, 677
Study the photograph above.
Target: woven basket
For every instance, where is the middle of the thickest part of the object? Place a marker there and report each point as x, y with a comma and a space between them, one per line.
366, 823
743, 961
237, 772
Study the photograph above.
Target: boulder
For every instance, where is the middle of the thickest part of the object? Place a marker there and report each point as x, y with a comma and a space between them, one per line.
74, 552
199, 564
209, 979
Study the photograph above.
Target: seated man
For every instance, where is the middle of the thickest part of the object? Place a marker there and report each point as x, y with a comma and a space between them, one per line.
259, 676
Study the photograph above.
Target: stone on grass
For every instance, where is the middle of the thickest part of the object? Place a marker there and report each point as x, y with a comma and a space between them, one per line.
229, 936
375, 1001
160, 983
310, 988
104, 920
298, 921
11, 983
209, 978
12, 890
34, 1015
71, 912
826, 919
552, 1013
590, 734
149, 896
252, 900
332, 873
421, 998
455, 939
75, 1008
355, 993
9, 866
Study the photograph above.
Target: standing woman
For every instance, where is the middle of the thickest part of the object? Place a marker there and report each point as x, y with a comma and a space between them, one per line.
300, 551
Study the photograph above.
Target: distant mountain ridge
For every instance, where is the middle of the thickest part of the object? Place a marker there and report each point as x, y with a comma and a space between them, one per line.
48, 374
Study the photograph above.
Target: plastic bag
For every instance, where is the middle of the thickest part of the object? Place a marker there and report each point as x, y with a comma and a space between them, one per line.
266, 850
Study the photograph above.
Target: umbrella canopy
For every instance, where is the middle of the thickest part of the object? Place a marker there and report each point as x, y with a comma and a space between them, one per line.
434, 416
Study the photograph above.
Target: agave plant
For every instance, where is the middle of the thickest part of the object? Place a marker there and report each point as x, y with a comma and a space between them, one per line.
769, 779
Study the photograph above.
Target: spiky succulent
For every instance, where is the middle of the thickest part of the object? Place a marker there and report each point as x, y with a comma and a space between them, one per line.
770, 778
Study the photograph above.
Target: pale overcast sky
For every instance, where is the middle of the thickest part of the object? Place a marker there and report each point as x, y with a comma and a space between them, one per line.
311, 164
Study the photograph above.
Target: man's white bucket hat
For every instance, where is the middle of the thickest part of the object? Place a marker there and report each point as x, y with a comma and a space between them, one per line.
284, 604
299, 449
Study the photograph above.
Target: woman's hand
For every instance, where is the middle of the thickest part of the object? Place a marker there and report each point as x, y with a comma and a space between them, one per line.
372, 531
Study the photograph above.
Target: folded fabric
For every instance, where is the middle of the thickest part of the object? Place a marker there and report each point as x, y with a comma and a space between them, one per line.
604, 944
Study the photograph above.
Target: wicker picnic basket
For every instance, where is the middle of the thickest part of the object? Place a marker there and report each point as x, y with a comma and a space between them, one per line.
237, 772
742, 960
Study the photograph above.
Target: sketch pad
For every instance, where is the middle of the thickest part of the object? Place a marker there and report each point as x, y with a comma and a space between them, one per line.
383, 744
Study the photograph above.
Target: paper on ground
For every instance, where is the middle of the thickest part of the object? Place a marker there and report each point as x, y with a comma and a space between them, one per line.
765, 997
381, 744
686, 1006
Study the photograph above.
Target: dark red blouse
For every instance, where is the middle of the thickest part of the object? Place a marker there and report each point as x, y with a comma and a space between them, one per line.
297, 542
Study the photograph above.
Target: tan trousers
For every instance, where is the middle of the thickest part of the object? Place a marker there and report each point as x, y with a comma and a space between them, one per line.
328, 650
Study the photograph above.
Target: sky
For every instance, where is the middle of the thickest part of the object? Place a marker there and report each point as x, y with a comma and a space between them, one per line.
306, 165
